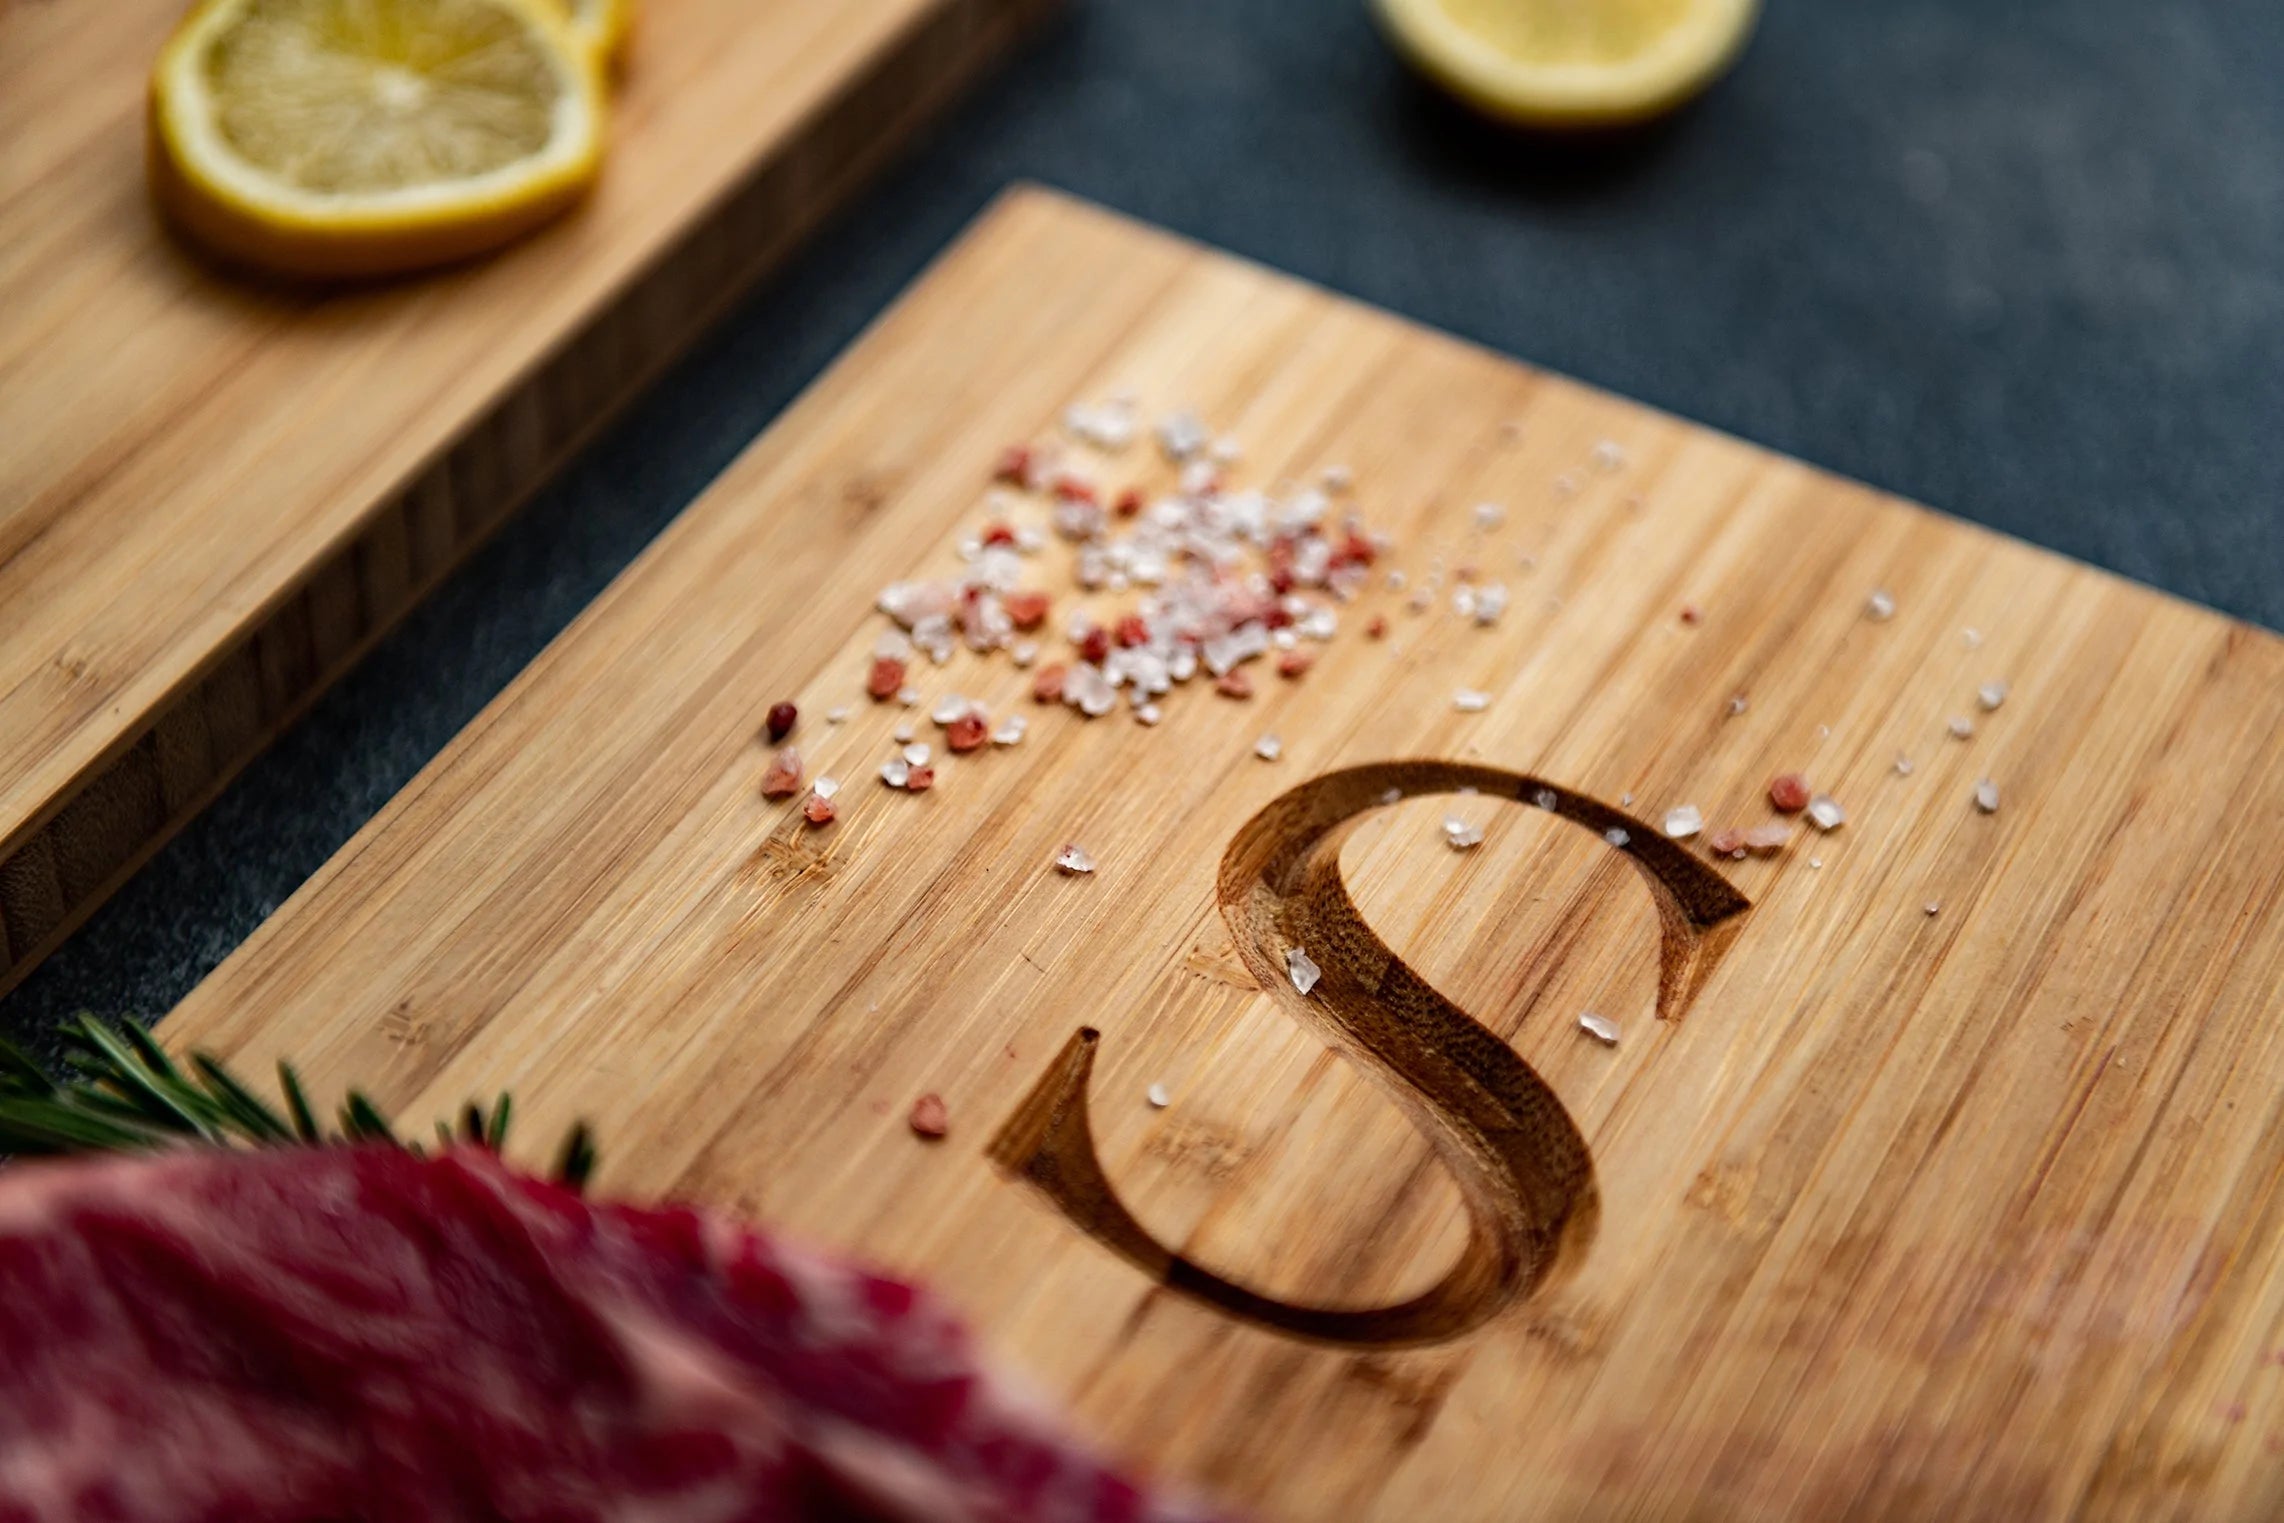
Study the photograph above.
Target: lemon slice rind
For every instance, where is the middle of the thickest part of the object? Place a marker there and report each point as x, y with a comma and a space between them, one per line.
239, 210
1683, 60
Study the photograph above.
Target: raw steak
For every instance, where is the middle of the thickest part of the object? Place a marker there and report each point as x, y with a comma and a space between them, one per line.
347, 1334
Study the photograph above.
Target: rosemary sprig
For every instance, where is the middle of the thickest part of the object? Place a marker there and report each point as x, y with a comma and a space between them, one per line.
122, 1092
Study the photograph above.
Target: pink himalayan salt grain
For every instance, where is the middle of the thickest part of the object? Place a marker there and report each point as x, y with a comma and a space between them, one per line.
967, 733
1768, 839
783, 779
929, 1116
1789, 792
1726, 843
886, 678
1234, 684
1047, 686
819, 810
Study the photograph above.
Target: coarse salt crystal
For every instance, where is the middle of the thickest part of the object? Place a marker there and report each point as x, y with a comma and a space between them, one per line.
1600, 1027
917, 753
1773, 836
1987, 796
948, 708
908, 696
836, 716
1683, 821
783, 778
1459, 835
1932, 906
1303, 972
1157, 1096
1024, 652
1973, 637
1148, 714
1544, 798
1490, 602
1010, 730
1880, 606
1903, 766
1825, 813
1463, 602
1395, 581
904, 732
1616, 836
896, 772
1268, 748
1990, 695
1470, 700
1338, 478
1566, 484
1609, 455
1391, 796
1489, 515
1074, 859
1961, 727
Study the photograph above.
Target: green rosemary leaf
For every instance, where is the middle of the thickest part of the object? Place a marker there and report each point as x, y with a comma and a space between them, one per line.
114, 1065
578, 1161
496, 1137
51, 1126
444, 1138
363, 1121
146, 1047
255, 1119
297, 1104
20, 1075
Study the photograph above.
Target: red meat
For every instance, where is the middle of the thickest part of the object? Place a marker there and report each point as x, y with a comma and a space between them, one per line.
355, 1333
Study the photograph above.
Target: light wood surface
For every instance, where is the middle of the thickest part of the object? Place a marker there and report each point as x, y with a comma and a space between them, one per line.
214, 493
1947, 1187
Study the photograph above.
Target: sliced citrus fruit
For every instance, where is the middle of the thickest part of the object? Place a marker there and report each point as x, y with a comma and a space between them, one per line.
603, 25
366, 137
1571, 63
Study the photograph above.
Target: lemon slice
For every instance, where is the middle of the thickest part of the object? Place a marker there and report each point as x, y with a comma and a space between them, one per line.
1571, 63
602, 26
366, 137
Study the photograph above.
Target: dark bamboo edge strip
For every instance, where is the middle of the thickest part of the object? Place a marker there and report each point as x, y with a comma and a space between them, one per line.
124, 808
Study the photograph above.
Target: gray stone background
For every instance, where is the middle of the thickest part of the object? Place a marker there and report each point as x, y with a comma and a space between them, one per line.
2020, 259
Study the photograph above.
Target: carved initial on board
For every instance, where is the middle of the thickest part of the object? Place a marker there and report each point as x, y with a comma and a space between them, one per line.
1522, 1167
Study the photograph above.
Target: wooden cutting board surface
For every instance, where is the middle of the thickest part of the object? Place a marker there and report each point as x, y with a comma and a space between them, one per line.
1948, 1187
214, 493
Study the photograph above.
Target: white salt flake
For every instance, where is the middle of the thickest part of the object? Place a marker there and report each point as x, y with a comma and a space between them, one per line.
1738, 703
1470, 700
1459, 835
1973, 637
903, 733
1303, 972
1609, 455
1683, 821
1933, 906
836, 716
908, 696
1825, 813
1338, 478
1073, 859
1490, 603
1987, 796
1489, 515
1157, 1096
950, 709
1395, 580
1990, 695
1268, 748
1181, 435
1544, 798
1391, 796
1880, 606
825, 787
1961, 727
1023, 652
1903, 765
1815, 861
1148, 714
1010, 731
897, 772
917, 754
1616, 836
1600, 1027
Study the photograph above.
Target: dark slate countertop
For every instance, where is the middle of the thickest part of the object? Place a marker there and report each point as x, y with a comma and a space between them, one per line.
2023, 262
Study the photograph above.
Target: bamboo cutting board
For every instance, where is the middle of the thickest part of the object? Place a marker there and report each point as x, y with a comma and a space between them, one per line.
215, 494
1936, 1171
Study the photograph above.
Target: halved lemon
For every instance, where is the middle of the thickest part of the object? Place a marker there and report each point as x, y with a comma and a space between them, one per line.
603, 25
368, 137
1571, 63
